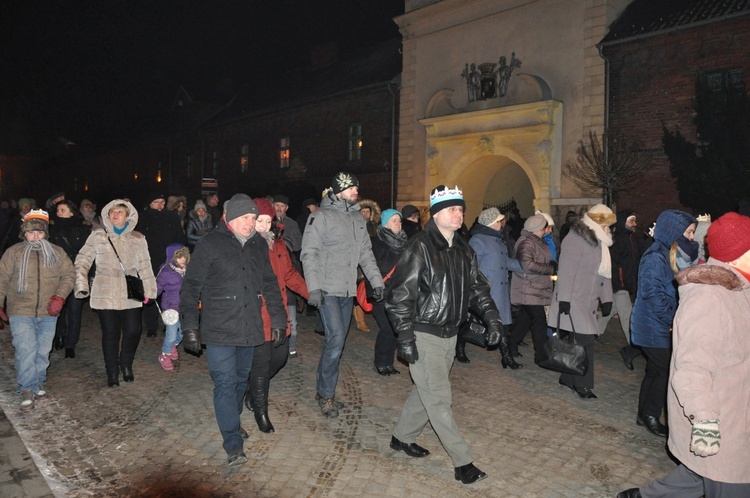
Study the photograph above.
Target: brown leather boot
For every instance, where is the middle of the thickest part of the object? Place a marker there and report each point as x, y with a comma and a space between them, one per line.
359, 316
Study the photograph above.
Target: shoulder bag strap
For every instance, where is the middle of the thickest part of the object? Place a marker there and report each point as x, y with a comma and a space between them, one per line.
118, 256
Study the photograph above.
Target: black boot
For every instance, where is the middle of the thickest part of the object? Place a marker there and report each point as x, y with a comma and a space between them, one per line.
127, 374
652, 424
461, 351
249, 397
507, 360
59, 341
113, 379
259, 387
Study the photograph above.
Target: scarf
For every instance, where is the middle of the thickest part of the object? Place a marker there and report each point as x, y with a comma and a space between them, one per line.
605, 267
179, 270
48, 256
88, 215
119, 231
689, 247
394, 241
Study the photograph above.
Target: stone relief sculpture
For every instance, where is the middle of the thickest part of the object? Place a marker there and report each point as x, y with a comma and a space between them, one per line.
471, 75
484, 82
504, 72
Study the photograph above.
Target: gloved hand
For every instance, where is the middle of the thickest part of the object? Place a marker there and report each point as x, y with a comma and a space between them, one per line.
494, 333
554, 264
706, 438
146, 300
564, 307
407, 351
55, 305
278, 336
377, 294
606, 309
3, 316
317, 298
191, 341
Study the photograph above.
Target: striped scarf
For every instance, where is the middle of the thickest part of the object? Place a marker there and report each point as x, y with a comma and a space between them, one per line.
48, 255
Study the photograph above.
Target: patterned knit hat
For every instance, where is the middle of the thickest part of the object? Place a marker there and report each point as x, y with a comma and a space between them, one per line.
343, 181
442, 197
264, 207
729, 237
36, 219
490, 216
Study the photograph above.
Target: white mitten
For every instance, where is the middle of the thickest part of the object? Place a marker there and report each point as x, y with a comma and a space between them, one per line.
706, 438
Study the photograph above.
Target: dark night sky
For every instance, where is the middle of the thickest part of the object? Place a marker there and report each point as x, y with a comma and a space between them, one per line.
98, 71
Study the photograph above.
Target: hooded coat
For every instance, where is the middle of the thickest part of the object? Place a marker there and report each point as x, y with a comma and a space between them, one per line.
534, 285
109, 291
579, 282
287, 277
335, 242
656, 302
168, 281
494, 263
374, 221
710, 369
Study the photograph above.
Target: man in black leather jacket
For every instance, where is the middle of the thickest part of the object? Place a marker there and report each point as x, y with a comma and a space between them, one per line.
435, 283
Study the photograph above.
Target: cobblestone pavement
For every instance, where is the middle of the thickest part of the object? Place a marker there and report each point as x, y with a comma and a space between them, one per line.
157, 436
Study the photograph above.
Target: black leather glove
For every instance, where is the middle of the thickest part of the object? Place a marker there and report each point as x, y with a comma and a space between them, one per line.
278, 336
554, 264
316, 298
191, 341
377, 294
494, 333
606, 309
564, 307
407, 351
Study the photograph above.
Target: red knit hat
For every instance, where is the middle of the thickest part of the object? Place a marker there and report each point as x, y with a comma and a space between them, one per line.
264, 207
728, 237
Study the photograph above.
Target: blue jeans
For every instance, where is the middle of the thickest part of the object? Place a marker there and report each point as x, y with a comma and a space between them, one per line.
172, 338
292, 312
230, 368
32, 340
336, 314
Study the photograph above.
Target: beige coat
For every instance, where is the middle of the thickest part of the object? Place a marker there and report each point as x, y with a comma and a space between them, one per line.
108, 290
710, 369
41, 285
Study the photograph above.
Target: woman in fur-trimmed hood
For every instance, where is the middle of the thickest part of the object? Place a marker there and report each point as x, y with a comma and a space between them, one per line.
371, 211
709, 372
583, 282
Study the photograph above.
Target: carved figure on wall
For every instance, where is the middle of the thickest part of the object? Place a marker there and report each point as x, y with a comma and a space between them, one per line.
472, 81
504, 72
487, 81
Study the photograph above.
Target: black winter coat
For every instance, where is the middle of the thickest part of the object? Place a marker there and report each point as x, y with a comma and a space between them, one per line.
161, 228
434, 286
229, 280
625, 252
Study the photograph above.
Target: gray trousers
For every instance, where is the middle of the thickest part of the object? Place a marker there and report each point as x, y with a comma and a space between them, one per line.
622, 307
430, 398
684, 483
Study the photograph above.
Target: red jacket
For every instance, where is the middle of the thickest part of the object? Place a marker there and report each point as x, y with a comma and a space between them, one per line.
287, 276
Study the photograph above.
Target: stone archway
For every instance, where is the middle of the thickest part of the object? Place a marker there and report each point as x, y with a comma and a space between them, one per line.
470, 148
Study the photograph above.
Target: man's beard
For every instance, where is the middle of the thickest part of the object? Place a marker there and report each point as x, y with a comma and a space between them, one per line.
350, 202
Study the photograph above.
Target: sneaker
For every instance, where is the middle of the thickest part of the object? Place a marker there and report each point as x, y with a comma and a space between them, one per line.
40, 395
292, 354
175, 354
236, 458
338, 404
166, 361
328, 407
27, 401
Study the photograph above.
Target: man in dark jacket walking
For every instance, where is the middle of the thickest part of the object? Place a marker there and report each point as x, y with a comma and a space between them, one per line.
230, 274
625, 252
436, 281
161, 228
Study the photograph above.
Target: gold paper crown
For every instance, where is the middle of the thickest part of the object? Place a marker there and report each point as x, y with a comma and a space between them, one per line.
704, 217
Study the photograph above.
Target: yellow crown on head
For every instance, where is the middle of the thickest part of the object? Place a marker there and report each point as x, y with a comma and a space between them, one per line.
704, 217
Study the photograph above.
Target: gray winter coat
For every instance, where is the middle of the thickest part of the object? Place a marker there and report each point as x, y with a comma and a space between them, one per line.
334, 243
109, 291
578, 281
534, 286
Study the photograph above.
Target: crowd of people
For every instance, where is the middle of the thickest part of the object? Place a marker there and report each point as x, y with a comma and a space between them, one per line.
230, 280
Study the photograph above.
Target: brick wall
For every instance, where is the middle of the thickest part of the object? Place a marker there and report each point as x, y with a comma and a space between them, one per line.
652, 84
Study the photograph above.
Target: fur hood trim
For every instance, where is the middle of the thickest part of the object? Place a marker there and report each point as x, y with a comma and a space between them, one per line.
374, 209
710, 275
584, 232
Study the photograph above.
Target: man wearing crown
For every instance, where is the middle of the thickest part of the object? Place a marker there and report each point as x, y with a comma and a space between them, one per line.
435, 283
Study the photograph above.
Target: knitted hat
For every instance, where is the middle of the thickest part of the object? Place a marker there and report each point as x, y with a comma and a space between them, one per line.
343, 181
442, 197
490, 216
409, 210
535, 223
602, 215
152, 196
24, 201
309, 202
199, 204
239, 205
265, 207
387, 215
281, 198
729, 237
36, 219
547, 218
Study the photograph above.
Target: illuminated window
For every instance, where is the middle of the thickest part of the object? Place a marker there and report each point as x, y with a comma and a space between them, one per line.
284, 153
355, 141
244, 158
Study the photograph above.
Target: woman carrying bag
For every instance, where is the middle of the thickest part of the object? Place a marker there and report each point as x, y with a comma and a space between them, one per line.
118, 250
584, 279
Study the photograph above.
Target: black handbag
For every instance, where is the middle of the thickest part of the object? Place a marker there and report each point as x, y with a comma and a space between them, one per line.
564, 356
133, 283
474, 331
